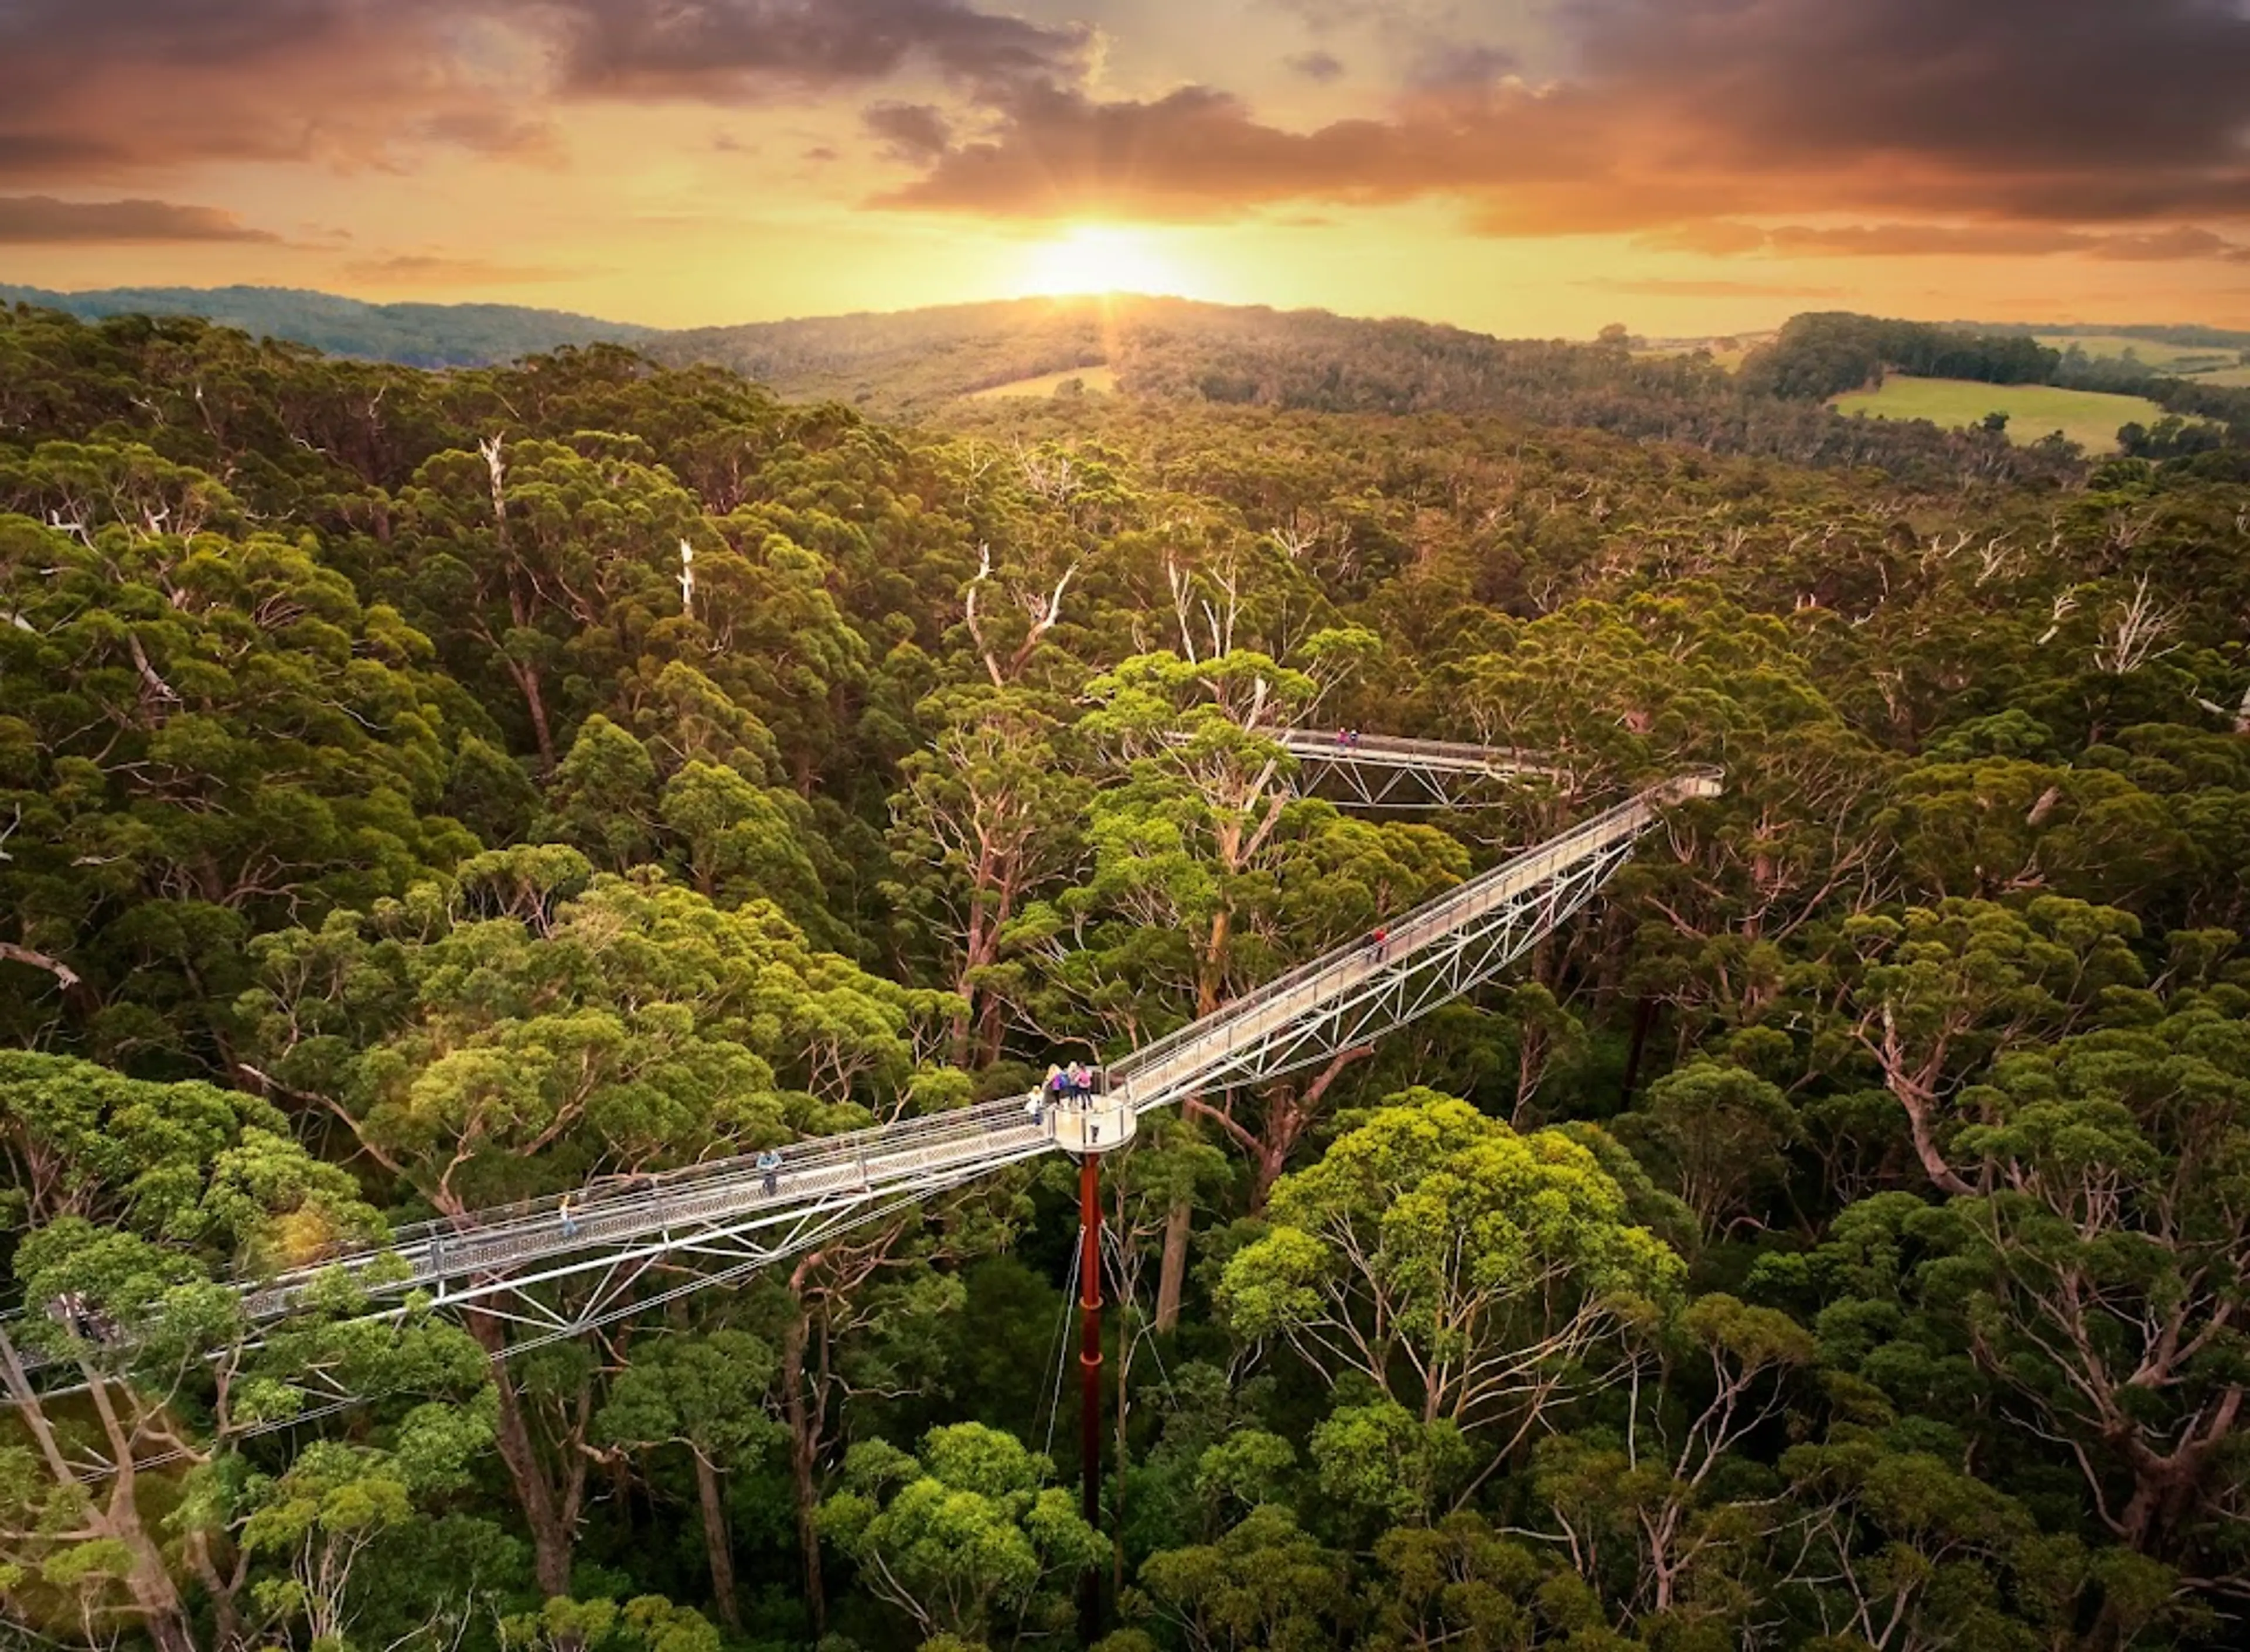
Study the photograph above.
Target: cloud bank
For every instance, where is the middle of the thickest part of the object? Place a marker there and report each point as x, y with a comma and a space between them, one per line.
1680, 112
2088, 128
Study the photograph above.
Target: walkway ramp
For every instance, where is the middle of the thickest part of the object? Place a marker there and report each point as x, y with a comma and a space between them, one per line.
714, 1223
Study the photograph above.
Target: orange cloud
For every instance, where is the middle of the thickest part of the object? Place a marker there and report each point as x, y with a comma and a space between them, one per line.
42, 219
1658, 287
1721, 237
430, 269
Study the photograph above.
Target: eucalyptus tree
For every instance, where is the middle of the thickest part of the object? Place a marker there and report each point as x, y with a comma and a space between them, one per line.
1477, 1278
138, 1202
1208, 873
204, 736
527, 1027
965, 1536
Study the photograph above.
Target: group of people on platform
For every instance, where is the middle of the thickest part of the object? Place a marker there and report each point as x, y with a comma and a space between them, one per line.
1346, 737
1071, 1086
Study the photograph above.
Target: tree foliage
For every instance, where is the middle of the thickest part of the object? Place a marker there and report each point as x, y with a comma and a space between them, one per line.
421, 793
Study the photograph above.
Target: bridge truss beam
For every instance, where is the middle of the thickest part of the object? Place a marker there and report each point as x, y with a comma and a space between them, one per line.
557, 1267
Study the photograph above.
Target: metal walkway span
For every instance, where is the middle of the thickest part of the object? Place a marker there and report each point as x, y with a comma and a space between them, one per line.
717, 1222
1382, 771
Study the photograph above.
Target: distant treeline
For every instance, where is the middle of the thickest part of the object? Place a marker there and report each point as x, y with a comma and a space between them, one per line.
2185, 336
2183, 396
433, 335
1826, 353
1817, 356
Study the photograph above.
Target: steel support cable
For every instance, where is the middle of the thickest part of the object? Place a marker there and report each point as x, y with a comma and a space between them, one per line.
1062, 1351
1144, 1333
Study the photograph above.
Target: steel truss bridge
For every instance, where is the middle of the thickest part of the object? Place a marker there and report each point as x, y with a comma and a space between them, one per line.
715, 1224
1381, 771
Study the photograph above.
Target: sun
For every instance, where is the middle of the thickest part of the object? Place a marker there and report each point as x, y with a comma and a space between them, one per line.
1097, 257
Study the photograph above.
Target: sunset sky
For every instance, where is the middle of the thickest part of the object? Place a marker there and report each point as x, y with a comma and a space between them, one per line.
1524, 167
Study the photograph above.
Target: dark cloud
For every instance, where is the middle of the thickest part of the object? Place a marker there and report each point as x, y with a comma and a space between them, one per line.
41, 218
2030, 88
1322, 16
1316, 66
913, 132
728, 49
104, 88
1447, 65
2000, 121
1198, 153
2049, 111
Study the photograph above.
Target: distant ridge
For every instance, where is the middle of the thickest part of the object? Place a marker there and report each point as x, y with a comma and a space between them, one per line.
414, 334
2191, 335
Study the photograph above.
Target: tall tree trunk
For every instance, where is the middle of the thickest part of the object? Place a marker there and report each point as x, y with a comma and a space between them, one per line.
154, 1595
2167, 1489
1289, 1113
717, 1545
804, 1446
1531, 1046
535, 702
1172, 1272
993, 1031
554, 1537
1644, 1016
225, 1618
1212, 975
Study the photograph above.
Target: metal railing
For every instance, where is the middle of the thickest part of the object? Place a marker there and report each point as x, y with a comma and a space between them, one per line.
1447, 755
1347, 964
495, 1238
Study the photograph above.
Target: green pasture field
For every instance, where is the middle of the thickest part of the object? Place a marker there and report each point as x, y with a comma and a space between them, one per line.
1100, 381
2086, 416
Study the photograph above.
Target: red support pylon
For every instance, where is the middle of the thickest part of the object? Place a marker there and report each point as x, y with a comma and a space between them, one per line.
1089, 1378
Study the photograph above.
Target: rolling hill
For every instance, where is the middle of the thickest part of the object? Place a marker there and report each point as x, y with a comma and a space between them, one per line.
412, 334
938, 364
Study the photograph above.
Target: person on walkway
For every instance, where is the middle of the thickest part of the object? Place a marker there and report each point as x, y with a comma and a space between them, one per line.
65, 1311
769, 1162
1037, 1106
1081, 1086
570, 1227
1378, 942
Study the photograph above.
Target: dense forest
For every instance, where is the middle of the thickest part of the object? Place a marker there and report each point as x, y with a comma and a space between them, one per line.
422, 791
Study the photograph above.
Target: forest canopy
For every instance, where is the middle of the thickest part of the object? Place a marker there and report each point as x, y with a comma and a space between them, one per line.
425, 791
